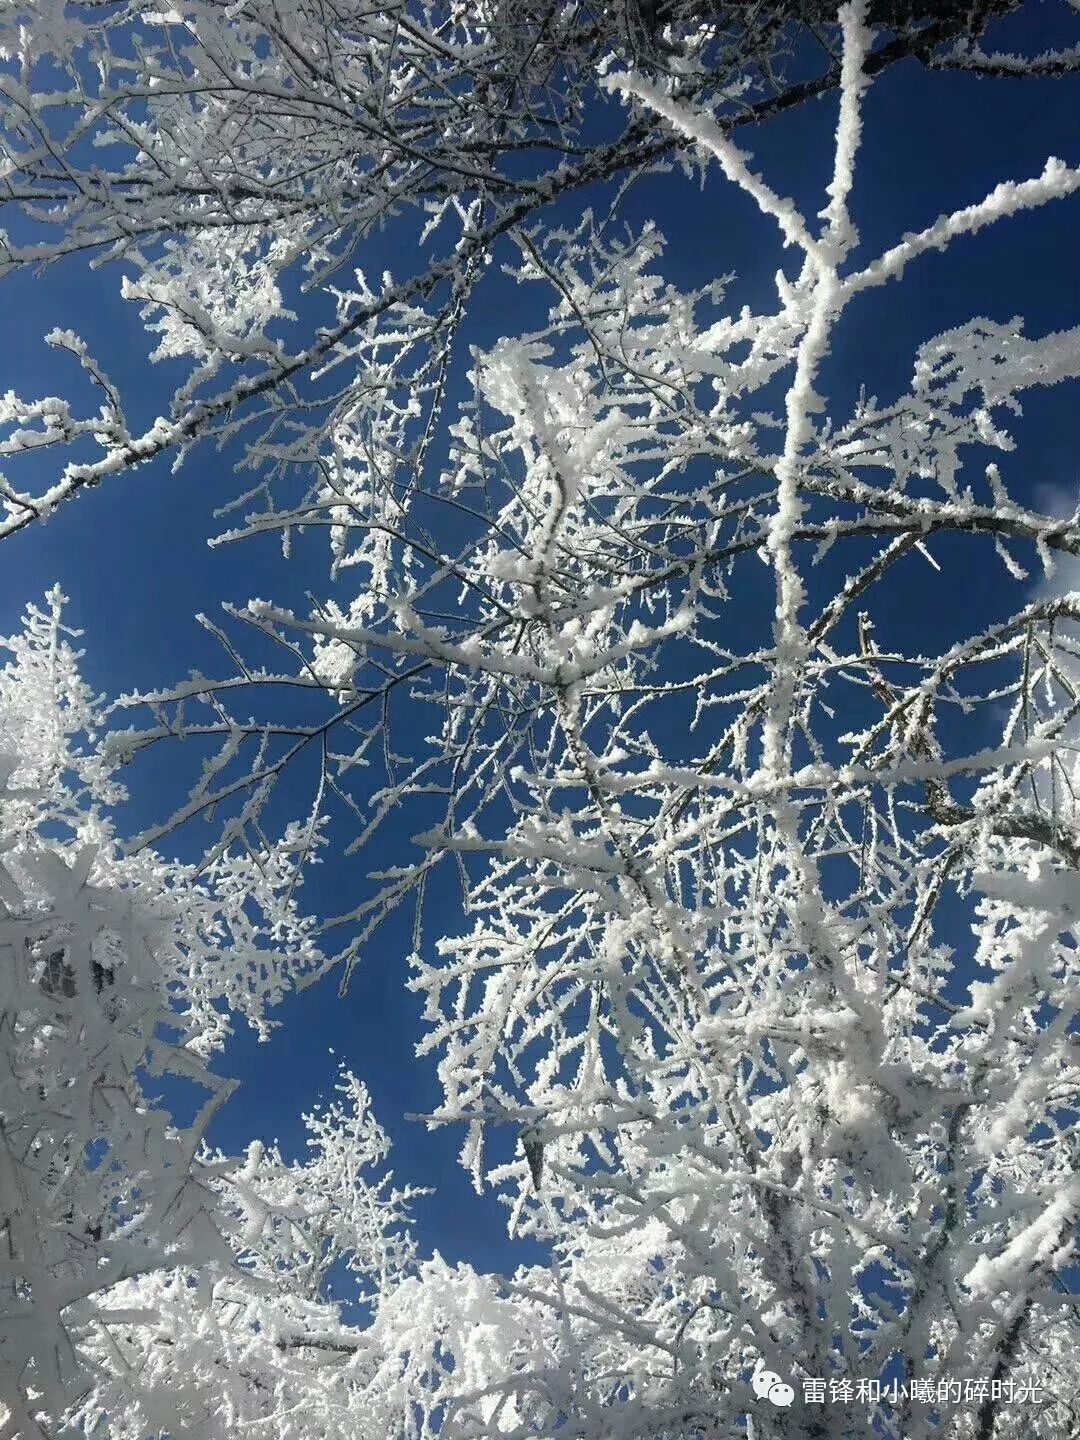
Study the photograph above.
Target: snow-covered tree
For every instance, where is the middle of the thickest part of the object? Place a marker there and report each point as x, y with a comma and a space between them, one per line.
261, 1340
118, 977
769, 1101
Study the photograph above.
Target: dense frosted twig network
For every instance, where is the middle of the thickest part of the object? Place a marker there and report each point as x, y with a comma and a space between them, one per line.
708, 813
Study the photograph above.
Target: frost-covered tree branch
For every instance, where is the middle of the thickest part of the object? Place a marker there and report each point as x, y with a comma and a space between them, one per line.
236, 158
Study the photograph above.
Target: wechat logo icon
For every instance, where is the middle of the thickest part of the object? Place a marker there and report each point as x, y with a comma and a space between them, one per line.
767, 1385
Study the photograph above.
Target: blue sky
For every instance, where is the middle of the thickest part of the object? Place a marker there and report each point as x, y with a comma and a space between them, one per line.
132, 556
